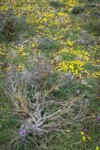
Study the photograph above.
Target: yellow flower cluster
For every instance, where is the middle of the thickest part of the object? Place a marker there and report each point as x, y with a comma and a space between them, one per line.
97, 147
84, 138
76, 61
70, 43
20, 67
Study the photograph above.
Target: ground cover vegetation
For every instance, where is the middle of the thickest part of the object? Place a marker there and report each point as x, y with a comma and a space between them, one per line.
49, 75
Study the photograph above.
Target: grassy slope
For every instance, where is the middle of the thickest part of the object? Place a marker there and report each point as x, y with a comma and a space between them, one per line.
67, 39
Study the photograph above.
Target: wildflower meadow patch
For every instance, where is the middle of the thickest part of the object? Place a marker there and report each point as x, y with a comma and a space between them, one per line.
49, 75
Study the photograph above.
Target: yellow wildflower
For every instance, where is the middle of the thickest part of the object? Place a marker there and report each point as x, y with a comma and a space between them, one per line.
82, 133
97, 147
20, 67
83, 138
2, 53
70, 43
89, 138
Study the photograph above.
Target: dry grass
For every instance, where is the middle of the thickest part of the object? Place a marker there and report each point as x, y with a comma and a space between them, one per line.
44, 113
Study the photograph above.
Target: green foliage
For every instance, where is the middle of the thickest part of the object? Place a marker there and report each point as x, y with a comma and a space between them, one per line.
8, 122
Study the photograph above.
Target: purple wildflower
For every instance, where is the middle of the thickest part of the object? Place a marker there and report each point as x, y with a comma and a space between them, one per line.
98, 118
23, 139
22, 132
